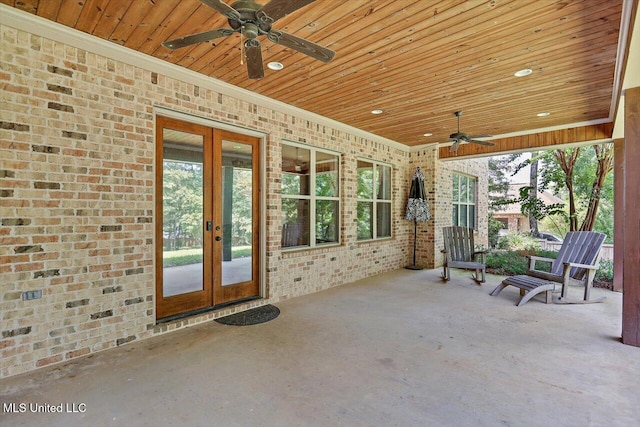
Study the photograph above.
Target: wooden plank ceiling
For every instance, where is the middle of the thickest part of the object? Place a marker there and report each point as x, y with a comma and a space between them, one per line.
418, 60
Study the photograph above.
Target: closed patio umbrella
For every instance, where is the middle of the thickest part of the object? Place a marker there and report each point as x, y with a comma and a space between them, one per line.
417, 209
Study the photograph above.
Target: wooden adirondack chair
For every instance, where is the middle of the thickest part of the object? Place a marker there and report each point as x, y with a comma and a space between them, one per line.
459, 252
576, 264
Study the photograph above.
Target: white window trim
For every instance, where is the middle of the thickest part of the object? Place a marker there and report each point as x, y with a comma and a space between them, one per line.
475, 198
312, 197
375, 201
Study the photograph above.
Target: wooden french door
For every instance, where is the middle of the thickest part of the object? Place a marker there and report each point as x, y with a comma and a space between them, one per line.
207, 217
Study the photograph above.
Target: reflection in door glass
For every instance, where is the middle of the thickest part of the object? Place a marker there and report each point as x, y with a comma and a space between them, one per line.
237, 212
182, 213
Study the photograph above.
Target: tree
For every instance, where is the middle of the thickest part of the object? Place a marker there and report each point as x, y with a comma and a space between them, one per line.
530, 204
500, 169
533, 193
567, 160
583, 175
604, 156
182, 201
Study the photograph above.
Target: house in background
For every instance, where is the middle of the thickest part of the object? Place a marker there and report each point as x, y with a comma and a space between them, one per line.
511, 215
105, 135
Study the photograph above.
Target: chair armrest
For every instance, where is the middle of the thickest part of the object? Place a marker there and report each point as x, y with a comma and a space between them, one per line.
575, 264
539, 258
482, 254
533, 259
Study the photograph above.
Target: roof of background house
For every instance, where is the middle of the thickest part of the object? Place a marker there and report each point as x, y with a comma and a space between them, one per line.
514, 192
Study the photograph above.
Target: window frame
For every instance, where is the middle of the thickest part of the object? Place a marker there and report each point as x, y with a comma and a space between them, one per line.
313, 198
374, 200
458, 203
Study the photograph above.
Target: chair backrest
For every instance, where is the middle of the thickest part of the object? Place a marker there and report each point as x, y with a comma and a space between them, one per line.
458, 242
582, 247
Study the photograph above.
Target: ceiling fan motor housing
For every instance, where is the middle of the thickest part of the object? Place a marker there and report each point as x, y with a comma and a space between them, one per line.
249, 24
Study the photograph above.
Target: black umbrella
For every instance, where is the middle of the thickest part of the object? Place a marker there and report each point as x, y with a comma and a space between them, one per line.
417, 209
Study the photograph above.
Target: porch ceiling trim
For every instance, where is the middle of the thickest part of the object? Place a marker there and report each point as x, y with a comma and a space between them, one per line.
591, 134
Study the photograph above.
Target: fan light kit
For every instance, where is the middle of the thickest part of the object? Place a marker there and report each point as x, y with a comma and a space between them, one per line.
523, 73
276, 66
252, 20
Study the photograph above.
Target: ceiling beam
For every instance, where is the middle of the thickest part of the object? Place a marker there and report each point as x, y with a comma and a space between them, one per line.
532, 142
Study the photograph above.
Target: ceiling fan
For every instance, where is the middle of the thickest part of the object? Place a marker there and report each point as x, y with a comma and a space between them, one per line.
459, 137
252, 20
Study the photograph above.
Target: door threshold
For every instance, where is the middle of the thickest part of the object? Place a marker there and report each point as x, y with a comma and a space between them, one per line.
205, 310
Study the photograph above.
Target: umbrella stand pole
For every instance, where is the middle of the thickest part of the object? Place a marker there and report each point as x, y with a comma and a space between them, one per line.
415, 241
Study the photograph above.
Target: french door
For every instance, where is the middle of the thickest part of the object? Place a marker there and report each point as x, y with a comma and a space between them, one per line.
207, 217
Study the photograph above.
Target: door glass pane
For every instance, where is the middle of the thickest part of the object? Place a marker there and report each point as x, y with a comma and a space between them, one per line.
295, 170
365, 220
237, 212
295, 225
326, 221
182, 213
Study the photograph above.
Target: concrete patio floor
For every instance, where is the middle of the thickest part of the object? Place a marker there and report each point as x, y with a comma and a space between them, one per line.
398, 349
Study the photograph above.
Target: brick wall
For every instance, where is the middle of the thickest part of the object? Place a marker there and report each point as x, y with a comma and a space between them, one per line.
76, 200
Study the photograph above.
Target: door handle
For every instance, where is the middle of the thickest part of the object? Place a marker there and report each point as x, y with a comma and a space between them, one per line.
209, 225
218, 238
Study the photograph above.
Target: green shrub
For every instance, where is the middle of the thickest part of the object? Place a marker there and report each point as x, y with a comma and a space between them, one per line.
514, 262
494, 229
177, 260
604, 274
518, 241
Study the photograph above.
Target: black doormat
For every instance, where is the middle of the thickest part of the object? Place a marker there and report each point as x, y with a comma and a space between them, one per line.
251, 317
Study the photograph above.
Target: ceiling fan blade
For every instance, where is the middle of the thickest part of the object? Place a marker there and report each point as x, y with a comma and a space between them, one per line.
253, 53
480, 136
301, 45
197, 38
276, 9
487, 143
223, 8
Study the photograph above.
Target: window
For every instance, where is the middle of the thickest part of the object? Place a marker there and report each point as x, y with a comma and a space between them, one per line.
310, 196
374, 200
464, 201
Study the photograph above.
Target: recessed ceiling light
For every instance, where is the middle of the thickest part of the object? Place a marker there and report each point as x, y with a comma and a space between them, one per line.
523, 73
275, 66
377, 111
545, 114
427, 134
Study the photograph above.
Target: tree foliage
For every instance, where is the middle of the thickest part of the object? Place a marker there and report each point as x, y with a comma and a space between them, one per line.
501, 168
581, 176
182, 200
